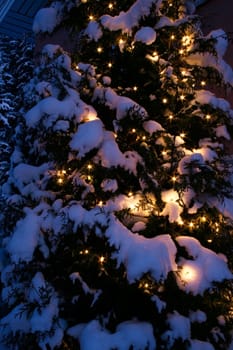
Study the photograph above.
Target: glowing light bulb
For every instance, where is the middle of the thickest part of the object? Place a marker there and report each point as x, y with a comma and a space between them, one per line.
181, 51
172, 37
208, 117
89, 167
182, 135
170, 117
182, 97
133, 130
101, 259
164, 153
110, 6
109, 65
99, 49
91, 18
203, 83
191, 225
209, 240
60, 180
135, 88
100, 203
164, 100
86, 251
146, 285
130, 194
174, 178
155, 56
203, 219
144, 138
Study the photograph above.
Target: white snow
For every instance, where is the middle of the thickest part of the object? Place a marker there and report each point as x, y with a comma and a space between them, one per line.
200, 345
206, 266
146, 35
93, 31
152, 126
179, 327
92, 336
25, 238
89, 135
46, 20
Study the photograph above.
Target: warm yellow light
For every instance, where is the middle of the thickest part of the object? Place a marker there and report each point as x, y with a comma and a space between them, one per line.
182, 135
164, 153
146, 285
135, 88
188, 273
209, 241
91, 18
182, 97
63, 171
133, 130
130, 194
144, 138
109, 65
110, 6
100, 203
191, 224
99, 49
203, 219
89, 167
89, 178
86, 251
172, 37
183, 72
203, 83
186, 40
60, 180
164, 100
155, 56
181, 51
174, 178
121, 41
208, 117
101, 259
170, 117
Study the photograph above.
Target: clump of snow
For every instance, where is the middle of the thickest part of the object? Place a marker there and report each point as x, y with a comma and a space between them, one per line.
152, 126
207, 97
89, 135
25, 238
179, 329
138, 255
172, 208
93, 31
200, 345
146, 35
197, 316
204, 267
138, 226
109, 185
125, 21
49, 109
92, 336
221, 131
221, 41
110, 155
46, 20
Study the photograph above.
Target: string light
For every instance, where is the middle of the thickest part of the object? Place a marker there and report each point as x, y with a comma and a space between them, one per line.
110, 6
101, 259
164, 100
181, 51
170, 117
144, 138
109, 65
174, 178
203, 219
60, 180
208, 117
172, 37
203, 83
86, 251
146, 285
191, 225
182, 97
209, 240
91, 18
135, 88
182, 135
89, 167
133, 130
100, 203
155, 56
130, 194
99, 49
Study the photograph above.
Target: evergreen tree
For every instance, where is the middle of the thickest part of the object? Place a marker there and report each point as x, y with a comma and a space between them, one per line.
118, 219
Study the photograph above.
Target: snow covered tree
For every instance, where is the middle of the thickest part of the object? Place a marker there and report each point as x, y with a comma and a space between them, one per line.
118, 218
